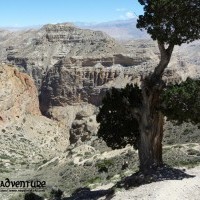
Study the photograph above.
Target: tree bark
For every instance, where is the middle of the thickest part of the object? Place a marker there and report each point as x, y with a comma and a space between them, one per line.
151, 133
151, 121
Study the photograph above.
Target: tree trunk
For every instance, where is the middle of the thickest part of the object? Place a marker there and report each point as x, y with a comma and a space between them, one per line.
151, 133
151, 119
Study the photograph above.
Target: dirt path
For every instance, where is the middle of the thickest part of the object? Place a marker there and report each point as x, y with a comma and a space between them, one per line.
186, 189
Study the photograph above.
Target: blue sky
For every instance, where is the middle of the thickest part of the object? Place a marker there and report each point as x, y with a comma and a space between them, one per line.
21, 13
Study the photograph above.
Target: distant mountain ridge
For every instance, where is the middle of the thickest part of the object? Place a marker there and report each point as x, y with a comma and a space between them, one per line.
119, 29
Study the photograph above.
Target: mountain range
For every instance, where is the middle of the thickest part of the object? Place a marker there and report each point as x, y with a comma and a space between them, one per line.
119, 29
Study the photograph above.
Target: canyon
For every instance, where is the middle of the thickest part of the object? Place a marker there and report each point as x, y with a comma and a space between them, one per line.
53, 80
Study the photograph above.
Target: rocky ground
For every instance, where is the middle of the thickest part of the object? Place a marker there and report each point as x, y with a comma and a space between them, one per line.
188, 188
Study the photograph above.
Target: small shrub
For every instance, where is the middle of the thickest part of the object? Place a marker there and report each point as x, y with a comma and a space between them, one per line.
56, 193
193, 152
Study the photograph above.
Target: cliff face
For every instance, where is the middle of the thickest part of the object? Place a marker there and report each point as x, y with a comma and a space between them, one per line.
18, 95
76, 80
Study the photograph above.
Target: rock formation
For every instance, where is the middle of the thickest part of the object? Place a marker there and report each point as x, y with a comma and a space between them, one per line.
76, 80
84, 128
18, 95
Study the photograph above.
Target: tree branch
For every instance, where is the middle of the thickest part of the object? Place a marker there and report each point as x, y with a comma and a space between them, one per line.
161, 47
165, 56
170, 50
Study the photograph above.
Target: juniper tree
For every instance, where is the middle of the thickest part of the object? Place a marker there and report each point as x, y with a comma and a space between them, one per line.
170, 23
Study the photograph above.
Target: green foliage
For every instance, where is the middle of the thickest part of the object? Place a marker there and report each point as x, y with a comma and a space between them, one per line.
31, 196
182, 102
118, 127
104, 164
94, 180
56, 194
170, 21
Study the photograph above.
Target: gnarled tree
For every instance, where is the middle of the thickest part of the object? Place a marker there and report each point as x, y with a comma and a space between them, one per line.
171, 23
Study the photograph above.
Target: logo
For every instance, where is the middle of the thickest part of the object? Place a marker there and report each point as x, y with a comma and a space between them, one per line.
22, 186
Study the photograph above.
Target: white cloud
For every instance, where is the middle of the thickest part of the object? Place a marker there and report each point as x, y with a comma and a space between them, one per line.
120, 9
130, 15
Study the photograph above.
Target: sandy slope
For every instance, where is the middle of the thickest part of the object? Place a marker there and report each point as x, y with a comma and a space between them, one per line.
186, 189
